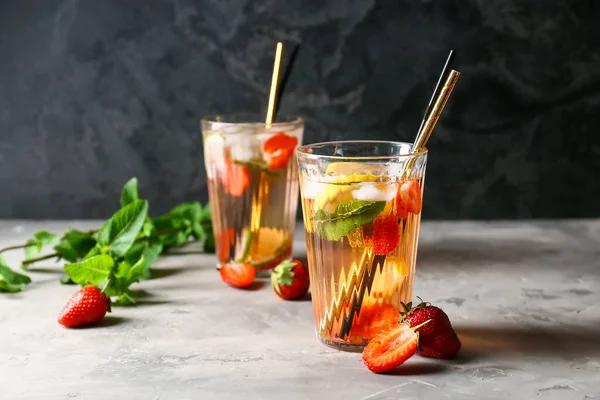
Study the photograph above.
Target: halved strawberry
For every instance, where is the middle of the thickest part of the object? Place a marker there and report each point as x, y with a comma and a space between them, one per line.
238, 274
386, 235
408, 199
390, 348
278, 149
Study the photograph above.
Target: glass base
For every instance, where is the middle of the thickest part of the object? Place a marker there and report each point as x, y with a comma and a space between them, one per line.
343, 346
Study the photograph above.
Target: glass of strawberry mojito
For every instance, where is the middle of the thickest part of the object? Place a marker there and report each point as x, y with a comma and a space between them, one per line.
253, 186
361, 204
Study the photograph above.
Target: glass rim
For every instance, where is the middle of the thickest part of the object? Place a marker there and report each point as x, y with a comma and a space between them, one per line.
250, 119
300, 150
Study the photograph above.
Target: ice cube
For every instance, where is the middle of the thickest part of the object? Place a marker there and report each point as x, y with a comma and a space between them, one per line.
244, 147
375, 192
214, 153
311, 189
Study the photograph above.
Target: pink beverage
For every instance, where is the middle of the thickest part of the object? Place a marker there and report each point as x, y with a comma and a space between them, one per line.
253, 187
361, 204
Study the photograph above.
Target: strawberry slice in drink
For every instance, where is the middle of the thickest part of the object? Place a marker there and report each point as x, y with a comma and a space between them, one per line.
408, 199
278, 150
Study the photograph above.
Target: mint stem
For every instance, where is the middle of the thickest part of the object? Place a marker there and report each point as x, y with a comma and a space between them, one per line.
16, 247
36, 259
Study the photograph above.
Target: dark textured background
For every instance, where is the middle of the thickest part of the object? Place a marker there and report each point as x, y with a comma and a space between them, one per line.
94, 92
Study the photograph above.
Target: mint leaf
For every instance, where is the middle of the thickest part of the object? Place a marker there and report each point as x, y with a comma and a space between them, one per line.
66, 280
33, 248
41, 239
129, 194
10, 280
6, 287
205, 215
119, 232
347, 216
149, 249
46, 238
91, 271
148, 229
136, 271
75, 245
125, 299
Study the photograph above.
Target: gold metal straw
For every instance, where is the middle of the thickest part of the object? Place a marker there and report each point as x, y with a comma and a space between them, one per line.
436, 111
263, 189
432, 119
274, 83
366, 277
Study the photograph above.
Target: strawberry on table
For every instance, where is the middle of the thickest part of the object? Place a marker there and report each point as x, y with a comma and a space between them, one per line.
438, 339
386, 234
290, 279
86, 306
391, 348
238, 275
278, 149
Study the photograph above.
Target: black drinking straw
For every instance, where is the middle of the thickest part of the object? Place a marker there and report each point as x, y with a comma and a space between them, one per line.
368, 273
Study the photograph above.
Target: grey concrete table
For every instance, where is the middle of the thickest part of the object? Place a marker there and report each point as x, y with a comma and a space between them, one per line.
524, 298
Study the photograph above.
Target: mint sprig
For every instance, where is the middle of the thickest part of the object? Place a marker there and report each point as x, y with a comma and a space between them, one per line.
121, 252
11, 281
347, 216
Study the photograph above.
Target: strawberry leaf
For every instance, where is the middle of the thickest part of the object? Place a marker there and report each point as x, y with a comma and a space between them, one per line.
119, 232
347, 216
93, 270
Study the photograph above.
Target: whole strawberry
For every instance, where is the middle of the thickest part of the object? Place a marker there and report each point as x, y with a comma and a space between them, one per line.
86, 306
437, 339
290, 279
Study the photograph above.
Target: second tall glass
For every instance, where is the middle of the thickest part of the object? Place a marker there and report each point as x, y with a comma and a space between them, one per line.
361, 203
253, 186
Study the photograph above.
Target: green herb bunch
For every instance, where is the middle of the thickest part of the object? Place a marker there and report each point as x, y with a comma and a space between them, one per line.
121, 252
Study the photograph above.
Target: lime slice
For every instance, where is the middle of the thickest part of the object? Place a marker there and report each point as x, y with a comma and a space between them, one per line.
345, 179
273, 246
353, 171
